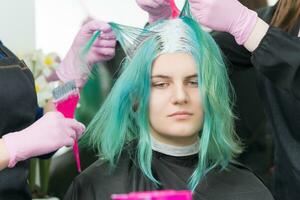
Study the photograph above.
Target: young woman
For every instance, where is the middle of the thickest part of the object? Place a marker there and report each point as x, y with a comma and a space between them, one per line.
167, 123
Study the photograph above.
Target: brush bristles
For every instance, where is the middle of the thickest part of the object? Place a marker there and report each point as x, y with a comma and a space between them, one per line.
64, 90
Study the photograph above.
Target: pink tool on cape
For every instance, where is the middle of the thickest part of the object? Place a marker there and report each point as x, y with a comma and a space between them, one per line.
155, 195
66, 98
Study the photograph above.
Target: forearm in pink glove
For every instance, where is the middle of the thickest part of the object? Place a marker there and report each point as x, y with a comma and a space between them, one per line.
225, 15
46, 135
157, 9
73, 67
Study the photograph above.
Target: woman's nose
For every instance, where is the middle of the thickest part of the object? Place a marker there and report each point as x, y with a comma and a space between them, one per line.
180, 95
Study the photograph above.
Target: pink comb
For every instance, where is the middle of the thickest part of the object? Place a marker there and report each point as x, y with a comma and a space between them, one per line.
66, 98
175, 10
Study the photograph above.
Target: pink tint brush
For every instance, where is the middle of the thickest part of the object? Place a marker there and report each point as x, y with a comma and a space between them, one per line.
66, 97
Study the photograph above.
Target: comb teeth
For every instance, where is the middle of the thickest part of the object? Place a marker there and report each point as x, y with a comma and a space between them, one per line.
63, 91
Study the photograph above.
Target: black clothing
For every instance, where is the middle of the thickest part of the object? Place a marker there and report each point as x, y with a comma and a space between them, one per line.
277, 63
17, 111
100, 182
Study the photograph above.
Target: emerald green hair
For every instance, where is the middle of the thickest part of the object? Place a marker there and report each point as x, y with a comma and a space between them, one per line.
124, 116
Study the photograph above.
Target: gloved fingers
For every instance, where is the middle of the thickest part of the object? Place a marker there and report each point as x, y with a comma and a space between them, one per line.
105, 43
198, 5
95, 25
75, 126
105, 51
101, 57
69, 133
54, 114
69, 142
152, 6
79, 131
162, 2
146, 3
149, 5
150, 9
107, 36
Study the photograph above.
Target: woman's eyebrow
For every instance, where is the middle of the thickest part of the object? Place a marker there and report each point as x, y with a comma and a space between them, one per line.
168, 77
161, 76
192, 76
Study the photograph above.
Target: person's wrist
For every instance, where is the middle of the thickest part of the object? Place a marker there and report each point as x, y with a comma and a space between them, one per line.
4, 155
12, 142
259, 31
244, 25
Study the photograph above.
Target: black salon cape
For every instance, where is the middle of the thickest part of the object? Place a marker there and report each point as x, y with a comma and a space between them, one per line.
98, 182
277, 65
18, 105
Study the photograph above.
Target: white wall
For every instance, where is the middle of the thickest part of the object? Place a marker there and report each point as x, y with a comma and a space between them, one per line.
51, 25
57, 21
17, 24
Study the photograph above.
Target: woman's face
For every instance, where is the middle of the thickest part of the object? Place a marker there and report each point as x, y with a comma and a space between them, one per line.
176, 113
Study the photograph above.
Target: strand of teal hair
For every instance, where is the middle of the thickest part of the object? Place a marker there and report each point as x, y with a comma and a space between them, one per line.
84, 67
85, 141
90, 43
217, 143
110, 127
144, 144
186, 12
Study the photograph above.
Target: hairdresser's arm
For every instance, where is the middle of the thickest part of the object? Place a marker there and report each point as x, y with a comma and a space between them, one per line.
48, 134
278, 64
157, 10
239, 56
73, 66
256, 35
276, 56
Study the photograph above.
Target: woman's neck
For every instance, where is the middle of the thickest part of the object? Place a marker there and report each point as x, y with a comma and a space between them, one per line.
174, 150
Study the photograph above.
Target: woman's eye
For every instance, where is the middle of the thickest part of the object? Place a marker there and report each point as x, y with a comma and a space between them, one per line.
193, 83
160, 85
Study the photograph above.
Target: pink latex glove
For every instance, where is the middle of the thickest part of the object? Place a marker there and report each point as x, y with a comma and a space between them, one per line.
103, 49
225, 15
157, 9
46, 135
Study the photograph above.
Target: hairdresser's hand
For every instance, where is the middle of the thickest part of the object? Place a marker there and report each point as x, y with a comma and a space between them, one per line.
73, 66
46, 135
225, 15
157, 9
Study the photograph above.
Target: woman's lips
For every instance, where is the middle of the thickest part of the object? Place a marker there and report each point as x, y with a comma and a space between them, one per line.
180, 115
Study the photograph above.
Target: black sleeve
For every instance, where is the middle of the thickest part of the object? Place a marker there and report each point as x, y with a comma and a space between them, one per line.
236, 57
278, 58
